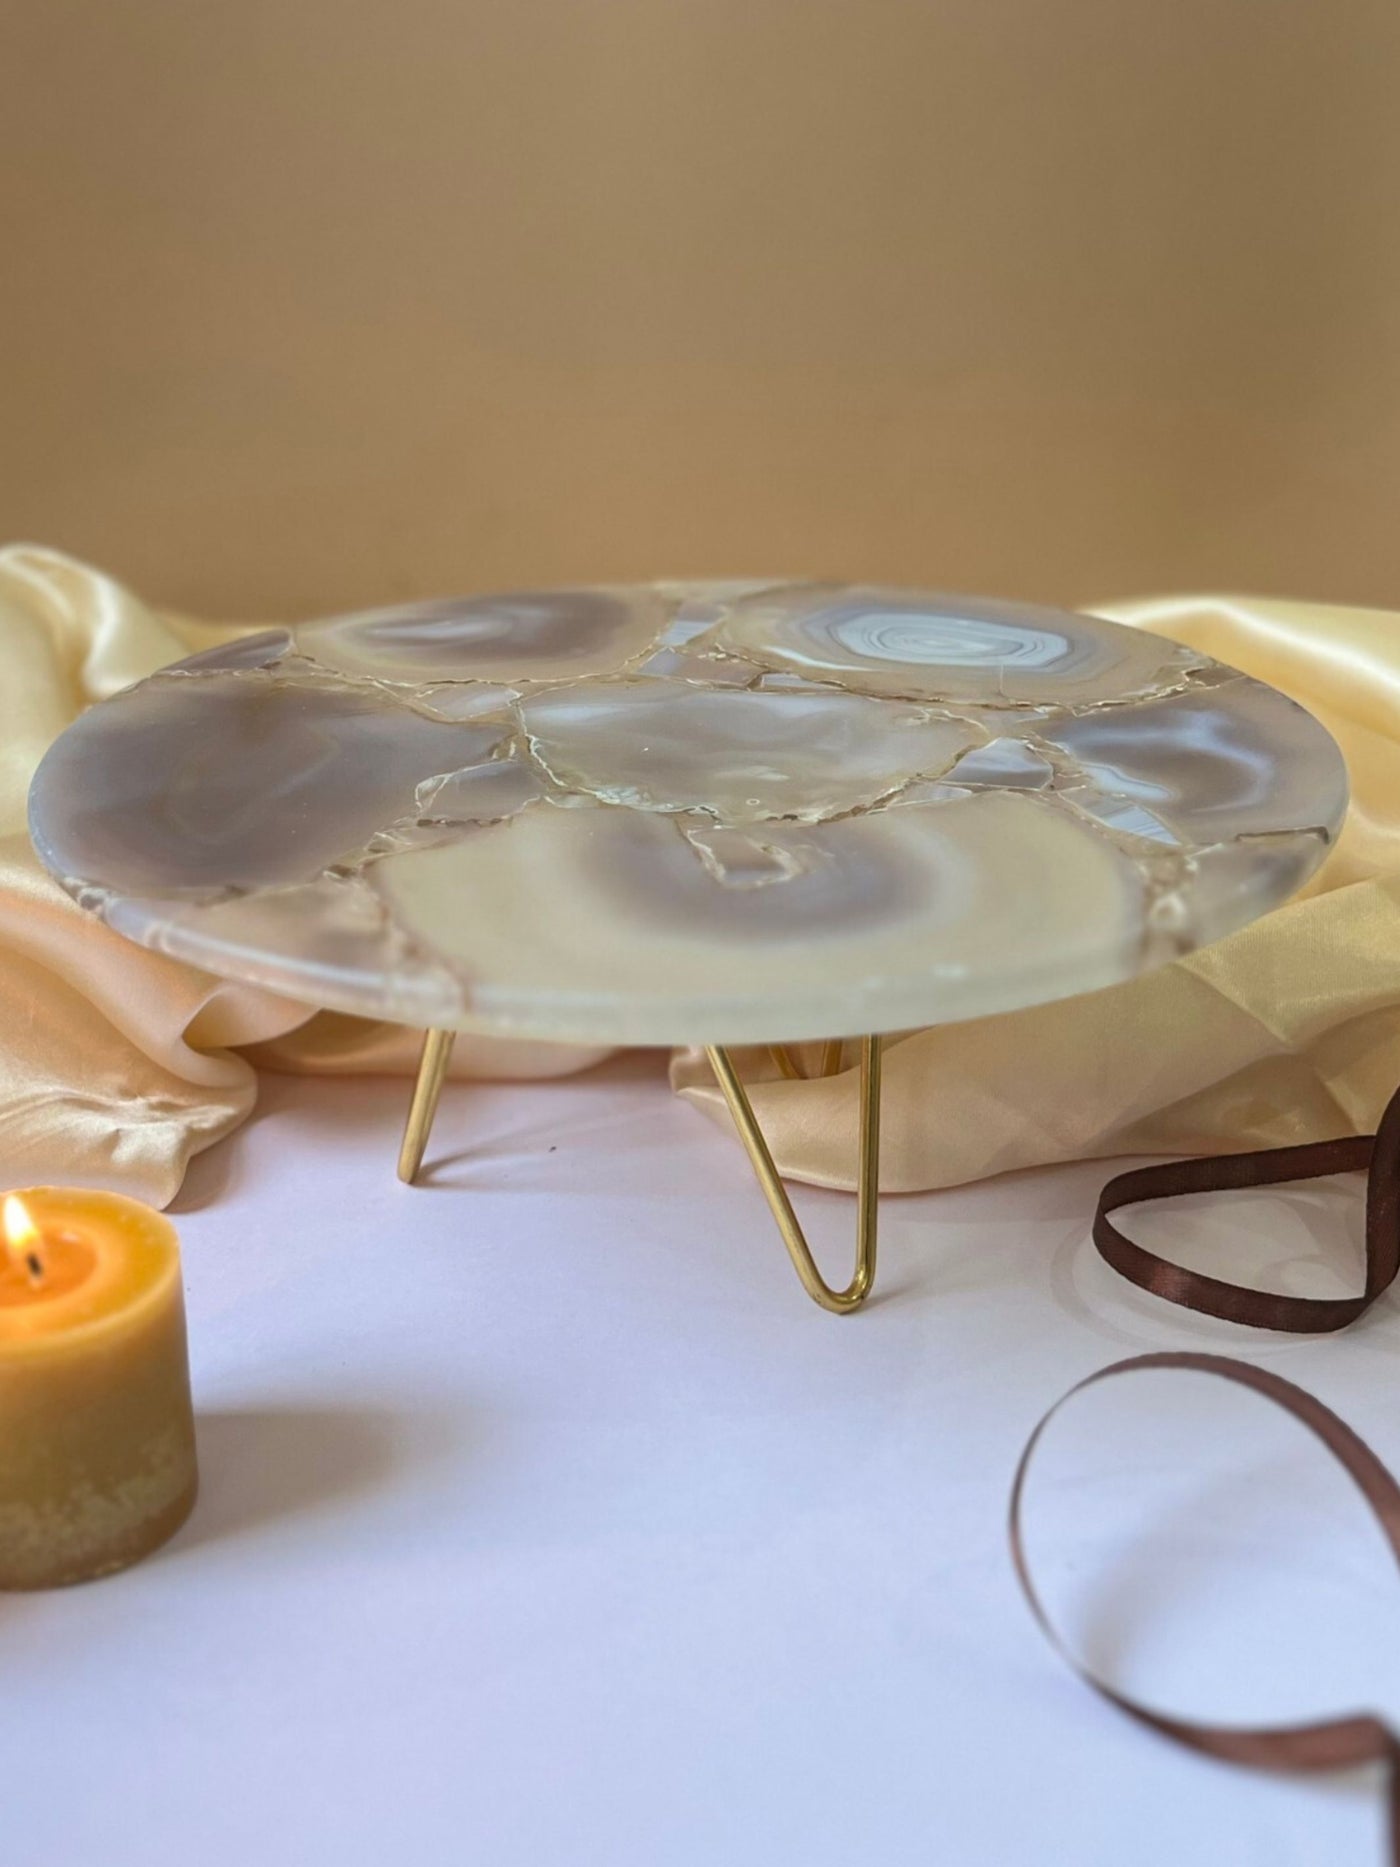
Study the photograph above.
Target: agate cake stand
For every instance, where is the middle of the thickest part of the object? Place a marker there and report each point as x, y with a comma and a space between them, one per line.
712, 814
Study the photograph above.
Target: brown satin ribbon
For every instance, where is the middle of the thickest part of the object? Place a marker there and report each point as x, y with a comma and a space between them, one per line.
1339, 1743
1377, 1155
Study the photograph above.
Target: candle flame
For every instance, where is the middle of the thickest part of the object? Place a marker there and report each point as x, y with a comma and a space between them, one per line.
22, 1235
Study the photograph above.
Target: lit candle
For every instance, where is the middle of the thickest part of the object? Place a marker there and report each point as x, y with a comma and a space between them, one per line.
97, 1460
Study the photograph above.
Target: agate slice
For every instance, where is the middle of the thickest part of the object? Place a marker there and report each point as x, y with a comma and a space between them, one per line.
990, 903
718, 812
738, 756
520, 635
1207, 765
954, 648
228, 784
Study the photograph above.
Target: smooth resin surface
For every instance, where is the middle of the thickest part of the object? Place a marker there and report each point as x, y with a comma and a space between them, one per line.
689, 812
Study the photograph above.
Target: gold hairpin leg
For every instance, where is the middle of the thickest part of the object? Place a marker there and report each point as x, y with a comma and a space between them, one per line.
432, 1069
867, 1197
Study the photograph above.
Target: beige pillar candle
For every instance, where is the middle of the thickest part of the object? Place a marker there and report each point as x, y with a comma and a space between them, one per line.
97, 1456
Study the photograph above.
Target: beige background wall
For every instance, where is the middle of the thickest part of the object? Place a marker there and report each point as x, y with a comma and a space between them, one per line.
316, 302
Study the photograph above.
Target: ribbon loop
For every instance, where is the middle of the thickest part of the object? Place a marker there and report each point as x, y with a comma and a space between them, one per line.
1334, 1744
1377, 1155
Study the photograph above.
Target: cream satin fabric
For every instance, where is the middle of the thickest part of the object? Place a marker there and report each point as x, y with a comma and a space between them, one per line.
116, 1065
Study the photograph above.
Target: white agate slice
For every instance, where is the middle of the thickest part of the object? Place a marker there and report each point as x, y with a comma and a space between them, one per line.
712, 670
608, 921
699, 606
464, 700
957, 648
1005, 765
741, 756
1125, 816
479, 794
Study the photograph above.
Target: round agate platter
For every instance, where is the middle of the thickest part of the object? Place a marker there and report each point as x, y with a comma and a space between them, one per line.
675, 813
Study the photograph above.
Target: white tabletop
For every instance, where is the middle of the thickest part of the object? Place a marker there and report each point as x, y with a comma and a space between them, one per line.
546, 1521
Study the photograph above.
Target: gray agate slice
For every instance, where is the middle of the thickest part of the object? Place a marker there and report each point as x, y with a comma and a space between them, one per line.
958, 648
679, 813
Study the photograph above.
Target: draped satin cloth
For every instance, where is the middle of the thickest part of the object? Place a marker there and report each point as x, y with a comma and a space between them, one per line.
116, 1065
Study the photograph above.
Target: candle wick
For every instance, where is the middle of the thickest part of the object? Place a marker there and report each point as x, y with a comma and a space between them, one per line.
36, 1266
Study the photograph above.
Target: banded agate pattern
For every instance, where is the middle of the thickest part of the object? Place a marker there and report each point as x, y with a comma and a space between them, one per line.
676, 813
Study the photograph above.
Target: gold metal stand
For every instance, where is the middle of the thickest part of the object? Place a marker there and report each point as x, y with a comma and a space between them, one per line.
432, 1070
867, 1197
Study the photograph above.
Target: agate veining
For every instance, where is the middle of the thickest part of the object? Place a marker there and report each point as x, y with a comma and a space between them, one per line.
671, 813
